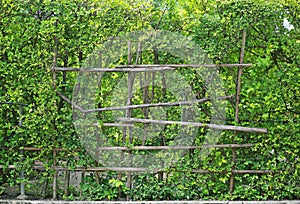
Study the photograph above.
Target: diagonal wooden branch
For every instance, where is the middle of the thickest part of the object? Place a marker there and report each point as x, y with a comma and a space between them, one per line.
157, 104
70, 102
140, 106
211, 126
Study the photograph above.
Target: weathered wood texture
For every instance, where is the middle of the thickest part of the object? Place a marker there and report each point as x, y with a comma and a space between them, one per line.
211, 126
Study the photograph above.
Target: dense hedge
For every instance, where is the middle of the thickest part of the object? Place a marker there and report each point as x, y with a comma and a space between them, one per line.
269, 98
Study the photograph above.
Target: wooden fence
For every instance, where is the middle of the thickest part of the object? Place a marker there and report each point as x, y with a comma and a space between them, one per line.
129, 120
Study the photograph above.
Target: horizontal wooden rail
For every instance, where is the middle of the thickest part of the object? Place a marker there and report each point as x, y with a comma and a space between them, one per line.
112, 125
136, 169
176, 147
252, 171
211, 126
145, 68
14, 167
40, 149
116, 169
145, 147
148, 69
184, 65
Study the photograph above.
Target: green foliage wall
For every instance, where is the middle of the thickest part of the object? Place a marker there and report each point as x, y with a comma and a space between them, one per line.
270, 89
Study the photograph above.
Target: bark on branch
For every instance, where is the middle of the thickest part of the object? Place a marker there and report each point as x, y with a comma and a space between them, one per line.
211, 126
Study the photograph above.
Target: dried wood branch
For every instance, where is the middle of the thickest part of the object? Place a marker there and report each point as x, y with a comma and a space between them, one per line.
69, 101
174, 147
184, 65
113, 125
148, 147
149, 67
211, 126
237, 102
252, 171
133, 169
157, 104
146, 69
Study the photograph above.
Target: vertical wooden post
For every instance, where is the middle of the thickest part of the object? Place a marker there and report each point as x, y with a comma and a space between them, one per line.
240, 77
22, 185
156, 61
81, 182
67, 182
125, 129
145, 89
146, 100
129, 61
22, 152
129, 111
99, 77
55, 50
238, 90
54, 187
162, 137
